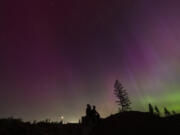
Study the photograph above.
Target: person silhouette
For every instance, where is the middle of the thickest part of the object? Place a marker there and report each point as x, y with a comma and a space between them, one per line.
95, 114
88, 110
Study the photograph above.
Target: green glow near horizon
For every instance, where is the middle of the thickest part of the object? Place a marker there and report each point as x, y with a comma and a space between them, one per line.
169, 100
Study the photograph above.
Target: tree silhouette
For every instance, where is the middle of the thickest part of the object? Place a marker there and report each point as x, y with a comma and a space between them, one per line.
122, 97
173, 112
166, 112
157, 110
151, 110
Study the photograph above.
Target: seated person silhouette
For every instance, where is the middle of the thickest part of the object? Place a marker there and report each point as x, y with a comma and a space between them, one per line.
95, 114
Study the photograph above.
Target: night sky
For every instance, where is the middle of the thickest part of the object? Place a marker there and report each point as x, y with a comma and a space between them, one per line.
58, 55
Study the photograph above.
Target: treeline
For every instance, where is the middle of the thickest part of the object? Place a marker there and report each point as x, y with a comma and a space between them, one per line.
155, 111
13, 126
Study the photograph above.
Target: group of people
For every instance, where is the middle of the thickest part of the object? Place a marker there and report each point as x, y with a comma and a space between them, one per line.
92, 113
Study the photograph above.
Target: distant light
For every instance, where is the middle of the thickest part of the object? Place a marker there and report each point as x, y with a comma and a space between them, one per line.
62, 117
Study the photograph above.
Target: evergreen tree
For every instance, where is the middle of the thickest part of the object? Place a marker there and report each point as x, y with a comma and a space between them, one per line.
122, 97
151, 110
157, 110
166, 112
173, 112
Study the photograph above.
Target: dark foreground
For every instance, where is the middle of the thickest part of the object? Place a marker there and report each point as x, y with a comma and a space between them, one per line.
121, 123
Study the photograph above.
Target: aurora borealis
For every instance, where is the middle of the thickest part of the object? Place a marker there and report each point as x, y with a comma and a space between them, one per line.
59, 55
